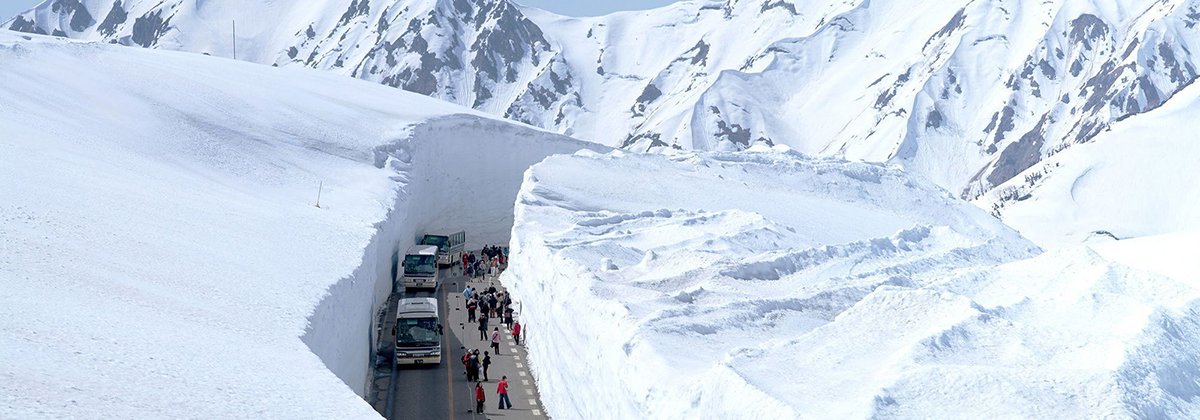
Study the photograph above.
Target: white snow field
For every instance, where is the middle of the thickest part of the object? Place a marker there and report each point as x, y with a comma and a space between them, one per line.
774, 285
160, 252
1137, 179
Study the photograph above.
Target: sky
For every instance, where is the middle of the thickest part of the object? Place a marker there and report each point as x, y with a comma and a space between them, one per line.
10, 8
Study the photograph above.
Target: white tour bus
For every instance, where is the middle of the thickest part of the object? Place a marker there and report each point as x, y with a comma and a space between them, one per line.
450, 245
418, 332
419, 268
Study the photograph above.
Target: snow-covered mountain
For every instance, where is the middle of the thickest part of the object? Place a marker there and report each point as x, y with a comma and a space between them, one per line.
1137, 179
967, 93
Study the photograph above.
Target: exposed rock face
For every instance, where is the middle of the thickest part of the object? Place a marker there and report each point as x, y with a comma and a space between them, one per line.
968, 94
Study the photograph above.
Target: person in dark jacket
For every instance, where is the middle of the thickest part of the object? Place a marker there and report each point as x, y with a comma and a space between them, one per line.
471, 305
487, 361
479, 397
482, 328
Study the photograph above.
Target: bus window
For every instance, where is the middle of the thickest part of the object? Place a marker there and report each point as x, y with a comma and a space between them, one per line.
420, 265
417, 332
435, 240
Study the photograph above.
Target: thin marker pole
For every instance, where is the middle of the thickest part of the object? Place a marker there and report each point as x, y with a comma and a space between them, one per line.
235, 43
320, 186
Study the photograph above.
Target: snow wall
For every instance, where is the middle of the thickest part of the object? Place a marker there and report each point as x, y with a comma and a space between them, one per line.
456, 172
694, 298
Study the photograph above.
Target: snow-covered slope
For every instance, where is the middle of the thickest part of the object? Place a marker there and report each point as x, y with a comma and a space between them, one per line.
1138, 179
967, 93
795, 287
160, 251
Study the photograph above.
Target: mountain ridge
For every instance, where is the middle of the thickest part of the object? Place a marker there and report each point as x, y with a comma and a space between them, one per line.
967, 93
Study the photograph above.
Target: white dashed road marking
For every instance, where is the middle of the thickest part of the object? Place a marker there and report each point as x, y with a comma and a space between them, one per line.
537, 412
520, 365
524, 382
522, 373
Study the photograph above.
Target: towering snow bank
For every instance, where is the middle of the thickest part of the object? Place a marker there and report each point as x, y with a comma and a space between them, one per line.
160, 251
735, 285
1089, 191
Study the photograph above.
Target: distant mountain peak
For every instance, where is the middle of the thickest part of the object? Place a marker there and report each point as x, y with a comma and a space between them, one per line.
968, 94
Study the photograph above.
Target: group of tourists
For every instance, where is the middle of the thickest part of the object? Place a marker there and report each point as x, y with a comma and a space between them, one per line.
491, 304
490, 261
476, 364
483, 305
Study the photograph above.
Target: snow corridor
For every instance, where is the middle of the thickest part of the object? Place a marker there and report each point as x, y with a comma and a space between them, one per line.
456, 172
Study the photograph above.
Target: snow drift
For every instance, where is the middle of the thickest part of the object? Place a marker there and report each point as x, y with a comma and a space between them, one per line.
160, 250
773, 285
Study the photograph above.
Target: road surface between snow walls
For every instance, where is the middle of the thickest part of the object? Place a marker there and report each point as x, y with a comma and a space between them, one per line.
159, 244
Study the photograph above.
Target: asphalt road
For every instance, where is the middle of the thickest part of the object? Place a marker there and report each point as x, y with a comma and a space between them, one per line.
442, 391
434, 391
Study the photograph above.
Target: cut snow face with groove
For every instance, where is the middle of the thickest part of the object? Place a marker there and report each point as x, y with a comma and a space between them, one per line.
160, 251
685, 297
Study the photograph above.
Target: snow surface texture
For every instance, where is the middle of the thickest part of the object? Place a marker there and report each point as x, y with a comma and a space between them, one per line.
800, 287
965, 93
160, 251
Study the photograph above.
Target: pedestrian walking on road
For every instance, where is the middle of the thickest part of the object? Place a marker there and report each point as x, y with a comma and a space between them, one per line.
480, 397
468, 292
508, 317
482, 328
492, 305
496, 340
471, 305
487, 361
516, 332
502, 389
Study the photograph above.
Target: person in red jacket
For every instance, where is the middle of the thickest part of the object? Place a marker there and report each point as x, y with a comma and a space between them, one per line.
479, 397
502, 389
516, 331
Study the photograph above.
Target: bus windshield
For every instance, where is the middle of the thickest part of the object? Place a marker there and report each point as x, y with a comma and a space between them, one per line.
416, 332
436, 240
421, 265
